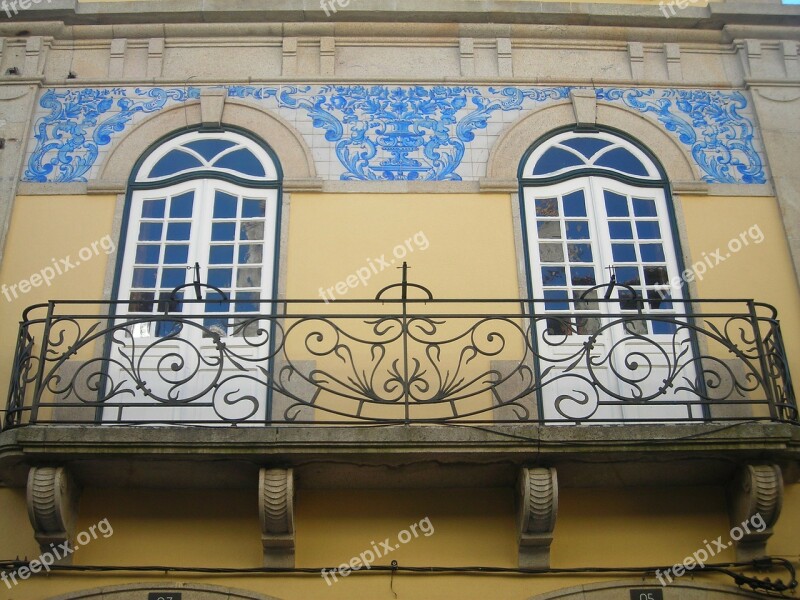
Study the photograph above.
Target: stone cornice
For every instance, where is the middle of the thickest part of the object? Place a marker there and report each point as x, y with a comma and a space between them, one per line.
714, 16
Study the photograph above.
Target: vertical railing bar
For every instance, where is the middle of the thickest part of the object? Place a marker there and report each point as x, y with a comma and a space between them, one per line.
37, 390
762, 358
16, 386
406, 383
789, 399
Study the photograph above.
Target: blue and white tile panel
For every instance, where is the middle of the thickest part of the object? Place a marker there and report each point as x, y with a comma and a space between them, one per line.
436, 133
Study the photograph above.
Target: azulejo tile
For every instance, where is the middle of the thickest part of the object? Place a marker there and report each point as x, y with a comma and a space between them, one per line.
385, 132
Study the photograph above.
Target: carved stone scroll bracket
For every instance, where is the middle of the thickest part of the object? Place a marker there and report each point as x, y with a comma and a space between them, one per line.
755, 497
537, 509
276, 511
52, 507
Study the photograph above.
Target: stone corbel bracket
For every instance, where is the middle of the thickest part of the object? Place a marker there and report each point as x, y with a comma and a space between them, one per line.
536, 515
52, 495
755, 497
276, 511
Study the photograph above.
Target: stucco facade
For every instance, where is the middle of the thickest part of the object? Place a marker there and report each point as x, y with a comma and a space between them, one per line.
398, 125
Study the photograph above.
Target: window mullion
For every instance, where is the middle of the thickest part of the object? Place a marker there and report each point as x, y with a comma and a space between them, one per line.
199, 239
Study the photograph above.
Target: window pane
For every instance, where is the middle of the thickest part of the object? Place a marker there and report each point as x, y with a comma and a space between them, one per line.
652, 252
577, 230
169, 303
141, 301
582, 276
147, 254
616, 205
622, 160
586, 325
178, 231
648, 230
629, 301
176, 255
253, 208
174, 162
208, 149
220, 278
248, 278
574, 204
556, 300
551, 253
620, 230
216, 302
559, 326
181, 206
243, 161
659, 299
172, 278
223, 232
246, 302
663, 327
556, 159
250, 254
580, 253
225, 206
549, 229
644, 207
153, 209
253, 231
655, 275
215, 326
554, 276
144, 278
547, 207
249, 327
628, 275
150, 232
586, 145
623, 252
221, 255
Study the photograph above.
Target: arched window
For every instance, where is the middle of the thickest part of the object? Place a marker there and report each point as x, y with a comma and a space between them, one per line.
201, 198
596, 209
197, 199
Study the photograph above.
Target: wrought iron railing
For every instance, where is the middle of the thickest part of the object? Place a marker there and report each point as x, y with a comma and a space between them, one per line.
400, 360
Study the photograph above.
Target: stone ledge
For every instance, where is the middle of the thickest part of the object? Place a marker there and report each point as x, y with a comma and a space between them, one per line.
170, 439
446, 11
614, 455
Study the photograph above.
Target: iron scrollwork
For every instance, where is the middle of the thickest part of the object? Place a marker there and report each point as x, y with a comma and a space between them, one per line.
401, 360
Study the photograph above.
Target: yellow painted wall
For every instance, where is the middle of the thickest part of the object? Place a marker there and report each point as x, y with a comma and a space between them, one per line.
471, 253
622, 527
470, 238
762, 271
45, 230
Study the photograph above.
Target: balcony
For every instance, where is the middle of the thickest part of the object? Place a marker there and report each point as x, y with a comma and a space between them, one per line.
489, 383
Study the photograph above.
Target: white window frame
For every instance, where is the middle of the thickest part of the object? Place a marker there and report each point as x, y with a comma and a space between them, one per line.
593, 181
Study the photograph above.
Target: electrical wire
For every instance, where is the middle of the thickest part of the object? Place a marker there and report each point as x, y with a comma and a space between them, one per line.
764, 586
